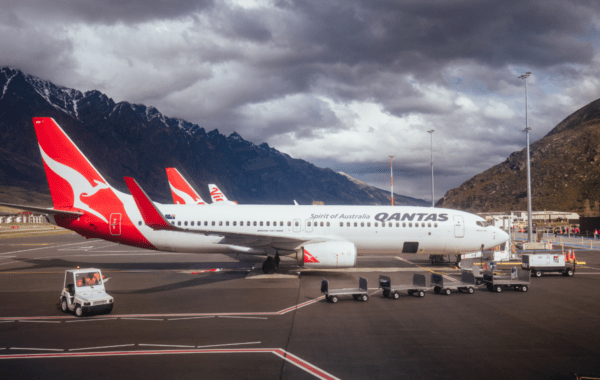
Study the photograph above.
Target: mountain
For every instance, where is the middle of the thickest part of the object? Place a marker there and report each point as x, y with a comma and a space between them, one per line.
124, 139
565, 172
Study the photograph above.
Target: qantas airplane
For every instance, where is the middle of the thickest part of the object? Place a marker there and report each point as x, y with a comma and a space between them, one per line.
316, 236
184, 194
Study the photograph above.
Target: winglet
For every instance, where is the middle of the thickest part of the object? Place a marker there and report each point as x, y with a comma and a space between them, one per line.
152, 217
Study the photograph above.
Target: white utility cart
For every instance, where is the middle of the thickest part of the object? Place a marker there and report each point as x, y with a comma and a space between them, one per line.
332, 295
418, 287
539, 263
84, 292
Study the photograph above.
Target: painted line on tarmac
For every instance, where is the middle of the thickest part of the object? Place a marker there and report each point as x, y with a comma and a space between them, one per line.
153, 317
35, 349
36, 249
91, 320
181, 319
38, 321
233, 316
165, 345
99, 348
228, 344
293, 359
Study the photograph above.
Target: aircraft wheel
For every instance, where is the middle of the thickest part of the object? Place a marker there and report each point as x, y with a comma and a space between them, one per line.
63, 305
396, 295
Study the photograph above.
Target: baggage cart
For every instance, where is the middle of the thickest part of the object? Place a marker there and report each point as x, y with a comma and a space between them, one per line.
466, 283
518, 280
418, 287
359, 294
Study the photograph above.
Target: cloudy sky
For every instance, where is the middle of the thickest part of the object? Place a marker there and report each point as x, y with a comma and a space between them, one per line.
340, 83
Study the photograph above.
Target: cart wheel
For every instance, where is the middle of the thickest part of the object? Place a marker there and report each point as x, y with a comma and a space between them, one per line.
333, 299
447, 292
364, 298
470, 290
524, 288
478, 282
386, 293
421, 293
538, 274
490, 287
570, 272
79, 311
410, 292
63, 305
396, 295
498, 289
437, 290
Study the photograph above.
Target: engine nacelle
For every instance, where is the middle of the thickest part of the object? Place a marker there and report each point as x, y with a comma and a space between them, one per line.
331, 254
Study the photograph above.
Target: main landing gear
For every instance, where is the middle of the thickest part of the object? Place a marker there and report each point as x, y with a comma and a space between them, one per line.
271, 264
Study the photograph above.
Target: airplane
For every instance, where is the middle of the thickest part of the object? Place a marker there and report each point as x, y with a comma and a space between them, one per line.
218, 197
183, 193
316, 236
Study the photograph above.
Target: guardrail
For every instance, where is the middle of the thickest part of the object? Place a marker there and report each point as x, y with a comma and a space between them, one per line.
562, 239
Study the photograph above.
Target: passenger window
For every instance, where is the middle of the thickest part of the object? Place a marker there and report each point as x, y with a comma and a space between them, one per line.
254, 223
268, 223
355, 224
289, 224
390, 224
382, 224
435, 224
362, 224
192, 224
341, 224
280, 224
376, 224
297, 224
327, 224
213, 222
274, 224
234, 223
423, 224
368, 224
308, 224
410, 224
241, 224
261, 224
220, 223
404, 224
206, 223
348, 224
227, 223
428, 224
140, 223
321, 224
397, 224
179, 223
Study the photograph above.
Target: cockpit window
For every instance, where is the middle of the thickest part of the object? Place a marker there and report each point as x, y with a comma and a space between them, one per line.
482, 224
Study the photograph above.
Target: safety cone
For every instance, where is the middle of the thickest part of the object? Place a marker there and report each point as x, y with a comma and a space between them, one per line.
573, 257
566, 258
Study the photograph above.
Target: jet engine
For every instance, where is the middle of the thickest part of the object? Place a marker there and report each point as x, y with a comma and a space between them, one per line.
331, 254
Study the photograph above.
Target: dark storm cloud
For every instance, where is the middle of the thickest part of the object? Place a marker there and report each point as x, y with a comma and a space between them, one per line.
108, 11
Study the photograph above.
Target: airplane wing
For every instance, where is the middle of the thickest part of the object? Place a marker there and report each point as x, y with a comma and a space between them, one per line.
42, 210
156, 220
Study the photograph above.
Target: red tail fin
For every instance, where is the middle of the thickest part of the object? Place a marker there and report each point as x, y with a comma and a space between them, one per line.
181, 190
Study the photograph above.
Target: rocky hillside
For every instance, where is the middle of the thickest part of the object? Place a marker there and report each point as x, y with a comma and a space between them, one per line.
565, 172
123, 139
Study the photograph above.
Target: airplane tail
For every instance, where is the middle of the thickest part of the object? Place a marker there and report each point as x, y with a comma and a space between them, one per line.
74, 183
181, 190
216, 194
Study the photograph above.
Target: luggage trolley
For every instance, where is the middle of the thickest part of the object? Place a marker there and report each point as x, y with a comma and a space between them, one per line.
418, 287
332, 295
518, 280
466, 283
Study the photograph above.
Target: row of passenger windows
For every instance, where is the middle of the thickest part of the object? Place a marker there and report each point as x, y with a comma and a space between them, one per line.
308, 224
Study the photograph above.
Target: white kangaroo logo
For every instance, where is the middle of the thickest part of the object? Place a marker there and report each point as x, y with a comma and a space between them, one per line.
188, 199
79, 184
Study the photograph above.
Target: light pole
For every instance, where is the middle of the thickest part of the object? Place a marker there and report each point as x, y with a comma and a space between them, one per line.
527, 129
432, 197
392, 178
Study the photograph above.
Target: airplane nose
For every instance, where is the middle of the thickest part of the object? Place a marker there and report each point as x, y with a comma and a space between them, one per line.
501, 235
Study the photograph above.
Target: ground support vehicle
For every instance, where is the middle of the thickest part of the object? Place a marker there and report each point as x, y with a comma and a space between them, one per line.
418, 287
539, 263
83, 292
478, 274
466, 283
517, 280
332, 295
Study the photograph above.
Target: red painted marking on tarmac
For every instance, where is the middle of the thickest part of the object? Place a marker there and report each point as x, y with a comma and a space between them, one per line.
306, 366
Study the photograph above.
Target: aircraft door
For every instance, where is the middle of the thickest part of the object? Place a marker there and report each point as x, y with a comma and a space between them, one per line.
297, 227
115, 224
459, 226
309, 225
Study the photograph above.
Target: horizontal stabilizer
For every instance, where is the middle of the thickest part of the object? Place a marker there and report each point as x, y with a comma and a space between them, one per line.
42, 210
152, 217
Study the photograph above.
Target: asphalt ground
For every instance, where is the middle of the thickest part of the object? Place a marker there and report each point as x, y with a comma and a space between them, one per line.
174, 318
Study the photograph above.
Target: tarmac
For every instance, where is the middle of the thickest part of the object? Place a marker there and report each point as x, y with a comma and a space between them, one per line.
214, 316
